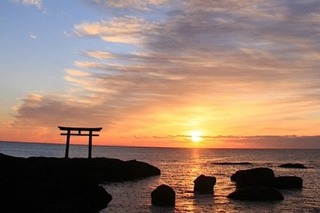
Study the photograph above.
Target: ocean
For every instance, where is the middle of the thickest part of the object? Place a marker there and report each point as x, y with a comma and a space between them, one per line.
181, 166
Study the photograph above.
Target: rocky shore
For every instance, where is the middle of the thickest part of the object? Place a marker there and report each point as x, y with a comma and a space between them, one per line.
48, 185
40, 184
261, 184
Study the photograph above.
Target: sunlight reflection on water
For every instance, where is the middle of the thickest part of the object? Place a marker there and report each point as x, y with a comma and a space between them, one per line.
181, 167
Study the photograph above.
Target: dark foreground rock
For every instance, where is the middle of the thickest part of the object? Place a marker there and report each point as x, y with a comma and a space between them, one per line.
163, 195
204, 184
49, 197
256, 193
40, 184
293, 166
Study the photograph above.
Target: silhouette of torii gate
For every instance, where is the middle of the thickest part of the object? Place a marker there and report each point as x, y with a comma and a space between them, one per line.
79, 131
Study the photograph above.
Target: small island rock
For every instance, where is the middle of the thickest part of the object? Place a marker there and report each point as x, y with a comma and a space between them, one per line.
293, 166
232, 163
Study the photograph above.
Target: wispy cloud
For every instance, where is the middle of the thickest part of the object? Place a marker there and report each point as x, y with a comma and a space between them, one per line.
35, 3
142, 5
33, 36
98, 54
129, 30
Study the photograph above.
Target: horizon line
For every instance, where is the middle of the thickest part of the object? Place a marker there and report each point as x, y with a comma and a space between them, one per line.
158, 147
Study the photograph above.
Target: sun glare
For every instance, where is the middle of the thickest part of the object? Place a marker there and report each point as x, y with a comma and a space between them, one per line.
195, 136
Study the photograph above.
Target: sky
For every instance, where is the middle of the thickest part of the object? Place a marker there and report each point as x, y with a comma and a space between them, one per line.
163, 73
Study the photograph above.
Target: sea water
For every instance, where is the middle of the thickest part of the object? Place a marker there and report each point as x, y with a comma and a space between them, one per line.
180, 167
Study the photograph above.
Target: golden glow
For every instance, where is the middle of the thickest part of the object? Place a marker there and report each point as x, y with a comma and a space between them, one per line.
196, 136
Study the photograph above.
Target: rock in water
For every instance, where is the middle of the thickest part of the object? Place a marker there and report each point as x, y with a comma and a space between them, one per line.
204, 184
288, 182
252, 177
293, 166
256, 193
163, 195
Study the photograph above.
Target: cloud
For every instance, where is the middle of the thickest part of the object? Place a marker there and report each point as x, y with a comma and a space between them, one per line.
98, 54
33, 36
129, 30
35, 3
248, 67
142, 5
77, 73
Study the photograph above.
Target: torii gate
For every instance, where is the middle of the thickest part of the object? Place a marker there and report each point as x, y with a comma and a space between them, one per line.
79, 131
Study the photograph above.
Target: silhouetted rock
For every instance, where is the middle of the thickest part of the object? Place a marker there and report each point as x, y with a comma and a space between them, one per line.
204, 184
252, 177
293, 166
256, 193
94, 170
47, 197
38, 184
288, 182
163, 195
69, 206
260, 184
231, 163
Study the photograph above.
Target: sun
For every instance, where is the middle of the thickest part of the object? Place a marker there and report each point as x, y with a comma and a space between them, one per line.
196, 136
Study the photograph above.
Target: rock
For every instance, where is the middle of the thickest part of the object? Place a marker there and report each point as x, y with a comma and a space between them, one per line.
231, 163
47, 197
95, 195
252, 177
256, 193
94, 170
204, 184
293, 166
70, 206
33, 184
140, 170
288, 182
163, 195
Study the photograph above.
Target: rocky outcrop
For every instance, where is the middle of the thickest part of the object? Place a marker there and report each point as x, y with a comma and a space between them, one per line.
260, 184
40, 184
163, 195
94, 170
288, 182
256, 193
204, 184
293, 166
252, 177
